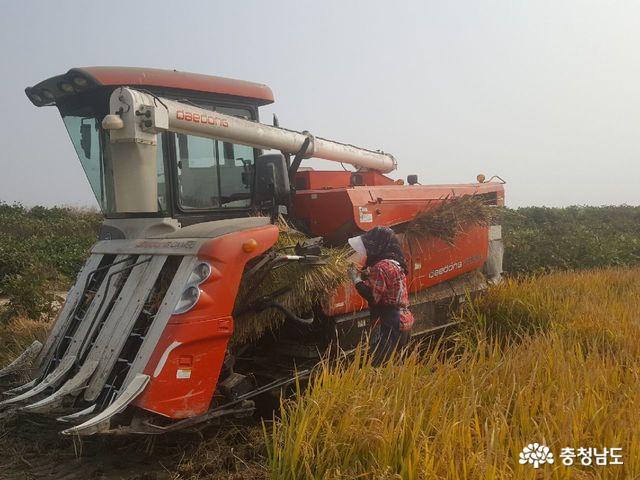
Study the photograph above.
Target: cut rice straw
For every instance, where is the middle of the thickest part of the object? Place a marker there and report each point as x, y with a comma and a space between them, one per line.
308, 286
448, 218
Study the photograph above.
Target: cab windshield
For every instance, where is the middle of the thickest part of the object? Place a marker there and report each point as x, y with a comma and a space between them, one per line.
209, 174
92, 146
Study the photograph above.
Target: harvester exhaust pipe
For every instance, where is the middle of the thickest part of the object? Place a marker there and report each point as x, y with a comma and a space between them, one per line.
142, 115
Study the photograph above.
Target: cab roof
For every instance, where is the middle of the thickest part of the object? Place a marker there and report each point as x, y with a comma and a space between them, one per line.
79, 80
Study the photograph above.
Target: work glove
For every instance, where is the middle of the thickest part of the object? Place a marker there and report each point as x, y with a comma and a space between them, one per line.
354, 274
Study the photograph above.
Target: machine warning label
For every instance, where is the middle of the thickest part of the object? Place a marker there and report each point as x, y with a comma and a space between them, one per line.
183, 373
365, 215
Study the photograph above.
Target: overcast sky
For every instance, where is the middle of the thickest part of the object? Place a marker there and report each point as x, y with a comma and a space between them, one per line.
545, 94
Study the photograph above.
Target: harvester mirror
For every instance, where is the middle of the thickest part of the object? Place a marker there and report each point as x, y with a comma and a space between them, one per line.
85, 139
357, 180
272, 178
412, 179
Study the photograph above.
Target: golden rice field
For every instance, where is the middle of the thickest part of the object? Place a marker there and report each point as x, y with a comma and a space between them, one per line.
552, 359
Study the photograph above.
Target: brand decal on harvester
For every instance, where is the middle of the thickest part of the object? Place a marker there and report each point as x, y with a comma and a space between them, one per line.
205, 119
446, 269
454, 266
166, 244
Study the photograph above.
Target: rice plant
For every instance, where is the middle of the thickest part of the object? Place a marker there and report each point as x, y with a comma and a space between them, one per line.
570, 381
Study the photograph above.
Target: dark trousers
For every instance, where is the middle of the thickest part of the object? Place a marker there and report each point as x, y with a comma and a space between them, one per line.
386, 336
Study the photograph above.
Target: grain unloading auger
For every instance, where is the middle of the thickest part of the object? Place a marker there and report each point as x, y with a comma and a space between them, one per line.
147, 340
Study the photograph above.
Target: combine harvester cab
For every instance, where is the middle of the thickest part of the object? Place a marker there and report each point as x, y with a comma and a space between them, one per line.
145, 340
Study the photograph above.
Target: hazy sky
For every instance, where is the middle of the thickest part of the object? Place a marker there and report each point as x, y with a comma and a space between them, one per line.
545, 94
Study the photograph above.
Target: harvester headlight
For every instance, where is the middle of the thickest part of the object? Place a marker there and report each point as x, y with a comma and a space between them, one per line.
66, 87
199, 274
191, 293
47, 94
80, 81
188, 299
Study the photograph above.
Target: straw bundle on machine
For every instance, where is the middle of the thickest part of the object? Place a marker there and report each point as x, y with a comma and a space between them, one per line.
449, 218
303, 286
306, 285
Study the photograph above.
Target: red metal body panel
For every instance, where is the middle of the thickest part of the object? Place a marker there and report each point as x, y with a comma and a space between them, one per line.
337, 213
335, 209
430, 262
97, 77
154, 77
323, 180
183, 385
186, 362
433, 261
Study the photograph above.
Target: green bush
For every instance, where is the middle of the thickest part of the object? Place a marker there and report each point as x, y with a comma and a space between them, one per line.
537, 239
29, 295
541, 239
54, 241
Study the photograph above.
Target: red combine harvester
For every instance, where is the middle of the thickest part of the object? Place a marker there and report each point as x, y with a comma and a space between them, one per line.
144, 342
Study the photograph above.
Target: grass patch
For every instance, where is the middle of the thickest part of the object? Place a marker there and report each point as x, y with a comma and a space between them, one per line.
17, 334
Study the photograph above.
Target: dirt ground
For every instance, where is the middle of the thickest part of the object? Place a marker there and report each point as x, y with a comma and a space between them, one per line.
31, 448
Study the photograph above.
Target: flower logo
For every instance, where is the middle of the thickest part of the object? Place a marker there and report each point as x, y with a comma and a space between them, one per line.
535, 454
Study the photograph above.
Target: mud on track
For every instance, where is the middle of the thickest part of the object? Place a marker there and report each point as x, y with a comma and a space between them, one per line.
31, 447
